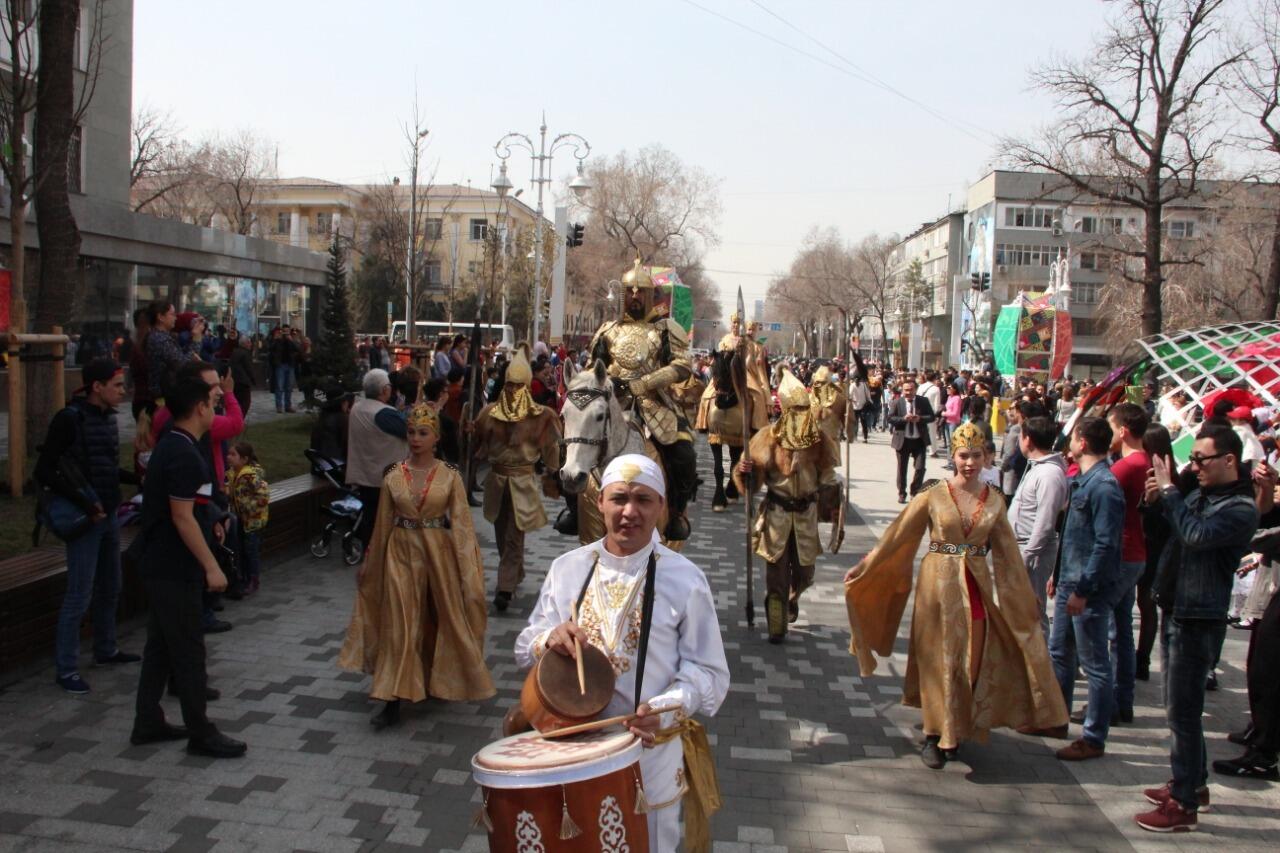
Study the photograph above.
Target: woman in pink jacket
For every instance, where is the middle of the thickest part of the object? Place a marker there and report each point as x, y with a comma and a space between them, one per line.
226, 426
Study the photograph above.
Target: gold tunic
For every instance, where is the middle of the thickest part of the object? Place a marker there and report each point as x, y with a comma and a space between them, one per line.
420, 612
790, 474
512, 449
635, 353
831, 402
1015, 685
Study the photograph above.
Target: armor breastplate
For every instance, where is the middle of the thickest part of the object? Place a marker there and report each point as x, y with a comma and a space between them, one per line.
633, 350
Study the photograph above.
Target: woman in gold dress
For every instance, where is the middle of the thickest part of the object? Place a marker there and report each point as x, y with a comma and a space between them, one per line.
419, 620
977, 659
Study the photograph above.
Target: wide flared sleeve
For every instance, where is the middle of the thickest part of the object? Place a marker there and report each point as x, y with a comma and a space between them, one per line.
546, 615
360, 650
462, 533
1014, 595
877, 596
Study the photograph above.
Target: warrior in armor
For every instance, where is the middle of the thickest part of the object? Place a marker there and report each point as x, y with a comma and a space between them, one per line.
646, 352
720, 410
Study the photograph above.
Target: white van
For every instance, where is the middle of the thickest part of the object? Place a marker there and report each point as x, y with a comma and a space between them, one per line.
503, 336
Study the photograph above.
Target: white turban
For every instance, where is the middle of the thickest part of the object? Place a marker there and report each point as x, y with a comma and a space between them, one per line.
635, 468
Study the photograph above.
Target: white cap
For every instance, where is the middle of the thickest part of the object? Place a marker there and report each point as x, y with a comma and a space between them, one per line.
634, 468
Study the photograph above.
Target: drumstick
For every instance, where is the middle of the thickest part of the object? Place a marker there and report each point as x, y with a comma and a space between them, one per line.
577, 655
597, 724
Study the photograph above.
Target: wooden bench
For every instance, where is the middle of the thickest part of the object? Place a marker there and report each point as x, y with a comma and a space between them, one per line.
32, 584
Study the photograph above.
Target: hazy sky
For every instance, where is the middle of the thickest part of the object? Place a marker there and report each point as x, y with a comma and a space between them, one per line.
798, 141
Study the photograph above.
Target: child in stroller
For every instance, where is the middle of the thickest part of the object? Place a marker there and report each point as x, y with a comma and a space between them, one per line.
345, 512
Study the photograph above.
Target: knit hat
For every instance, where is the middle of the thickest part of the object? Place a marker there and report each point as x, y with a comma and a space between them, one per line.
185, 321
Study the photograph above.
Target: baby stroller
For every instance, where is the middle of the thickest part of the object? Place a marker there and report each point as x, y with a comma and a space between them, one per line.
345, 511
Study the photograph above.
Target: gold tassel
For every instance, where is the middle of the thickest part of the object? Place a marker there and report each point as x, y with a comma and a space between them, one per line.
642, 802
482, 817
568, 829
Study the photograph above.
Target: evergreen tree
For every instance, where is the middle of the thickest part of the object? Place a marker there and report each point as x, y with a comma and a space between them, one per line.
333, 362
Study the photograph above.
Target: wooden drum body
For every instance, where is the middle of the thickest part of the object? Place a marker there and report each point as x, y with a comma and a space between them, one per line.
551, 699
570, 795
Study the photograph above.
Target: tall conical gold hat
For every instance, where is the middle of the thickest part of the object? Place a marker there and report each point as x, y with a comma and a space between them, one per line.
791, 391
637, 276
821, 375
518, 370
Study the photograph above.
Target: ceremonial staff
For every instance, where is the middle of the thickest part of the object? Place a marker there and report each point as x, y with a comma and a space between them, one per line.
470, 409
744, 394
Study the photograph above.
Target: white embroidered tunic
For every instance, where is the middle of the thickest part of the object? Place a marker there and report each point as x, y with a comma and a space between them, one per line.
685, 667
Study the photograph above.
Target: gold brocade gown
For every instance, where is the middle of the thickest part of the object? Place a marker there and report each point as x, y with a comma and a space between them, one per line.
420, 612
1015, 685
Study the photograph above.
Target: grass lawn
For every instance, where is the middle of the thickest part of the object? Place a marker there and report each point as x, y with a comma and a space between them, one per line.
279, 445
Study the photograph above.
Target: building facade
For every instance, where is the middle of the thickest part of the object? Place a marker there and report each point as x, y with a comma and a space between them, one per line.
128, 259
924, 267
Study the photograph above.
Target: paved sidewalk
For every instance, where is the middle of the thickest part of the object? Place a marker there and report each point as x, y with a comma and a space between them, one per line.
811, 758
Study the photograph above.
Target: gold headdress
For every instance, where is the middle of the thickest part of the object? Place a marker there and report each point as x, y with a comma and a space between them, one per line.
821, 375
796, 428
515, 406
968, 436
637, 277
424, 415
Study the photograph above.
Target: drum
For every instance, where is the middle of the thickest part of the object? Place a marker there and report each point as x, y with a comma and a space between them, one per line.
572, 795
551, 698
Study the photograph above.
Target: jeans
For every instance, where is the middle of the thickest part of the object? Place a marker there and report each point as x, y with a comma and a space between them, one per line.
1083, 639
1124, 657
93, 581
1187, 648
1040, 569
284, 386
250, 555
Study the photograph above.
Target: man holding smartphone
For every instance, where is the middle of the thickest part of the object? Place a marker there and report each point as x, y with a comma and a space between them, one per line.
176, 566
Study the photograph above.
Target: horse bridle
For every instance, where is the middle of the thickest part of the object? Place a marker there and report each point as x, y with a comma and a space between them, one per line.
581, 398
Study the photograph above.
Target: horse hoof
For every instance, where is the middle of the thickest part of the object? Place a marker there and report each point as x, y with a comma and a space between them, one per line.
717, 508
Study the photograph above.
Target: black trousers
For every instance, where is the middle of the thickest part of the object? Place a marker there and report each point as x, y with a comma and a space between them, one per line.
174, 651
1264, 685
912, 448
369, 497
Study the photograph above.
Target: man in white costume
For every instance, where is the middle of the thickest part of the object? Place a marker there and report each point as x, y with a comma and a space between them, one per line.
684, 667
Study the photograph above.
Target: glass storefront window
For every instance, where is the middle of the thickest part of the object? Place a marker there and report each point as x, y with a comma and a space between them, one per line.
209, 298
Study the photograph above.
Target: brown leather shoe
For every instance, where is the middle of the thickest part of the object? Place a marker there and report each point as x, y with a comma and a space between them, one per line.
1057, 732
1080, 750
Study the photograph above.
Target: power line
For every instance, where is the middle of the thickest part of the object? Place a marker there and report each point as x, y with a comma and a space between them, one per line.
868, 74
849, 72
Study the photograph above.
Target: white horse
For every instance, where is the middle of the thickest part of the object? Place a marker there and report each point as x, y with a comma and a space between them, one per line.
596, 430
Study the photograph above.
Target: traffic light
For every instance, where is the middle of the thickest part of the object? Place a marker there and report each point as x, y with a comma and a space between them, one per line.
980, 281
574, 237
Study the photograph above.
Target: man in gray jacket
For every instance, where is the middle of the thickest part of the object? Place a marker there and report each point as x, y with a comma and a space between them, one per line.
1041, 496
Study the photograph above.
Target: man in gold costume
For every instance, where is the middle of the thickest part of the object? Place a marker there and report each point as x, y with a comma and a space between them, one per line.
646, 352
514, 435
829, 401
720, 412
792, 458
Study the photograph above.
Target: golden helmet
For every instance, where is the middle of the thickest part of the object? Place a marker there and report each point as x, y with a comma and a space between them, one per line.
791, 391
637, 277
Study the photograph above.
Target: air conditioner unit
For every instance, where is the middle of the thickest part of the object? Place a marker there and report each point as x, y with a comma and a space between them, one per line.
1002, 268
1057, 231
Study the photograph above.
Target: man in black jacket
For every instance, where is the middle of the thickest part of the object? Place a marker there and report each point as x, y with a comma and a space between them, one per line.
83, 447
1211, 530
909, 417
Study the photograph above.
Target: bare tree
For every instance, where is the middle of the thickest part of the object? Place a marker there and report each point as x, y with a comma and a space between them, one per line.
168, 176
1135, 130
237, 168
1259, 97
654, 207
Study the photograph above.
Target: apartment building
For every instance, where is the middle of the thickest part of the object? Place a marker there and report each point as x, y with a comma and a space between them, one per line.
130, 259
919, 324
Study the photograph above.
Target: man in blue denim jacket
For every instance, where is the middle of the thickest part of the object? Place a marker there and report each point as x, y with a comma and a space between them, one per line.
1088, 585
1211, 530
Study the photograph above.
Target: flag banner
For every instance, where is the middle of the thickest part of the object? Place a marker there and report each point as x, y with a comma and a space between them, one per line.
675, 293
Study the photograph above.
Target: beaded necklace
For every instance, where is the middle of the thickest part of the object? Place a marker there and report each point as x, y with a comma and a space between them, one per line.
426, 487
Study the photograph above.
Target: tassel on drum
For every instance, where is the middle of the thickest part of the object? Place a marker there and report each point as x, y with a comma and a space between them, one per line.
568, 829
482, 816
642, 802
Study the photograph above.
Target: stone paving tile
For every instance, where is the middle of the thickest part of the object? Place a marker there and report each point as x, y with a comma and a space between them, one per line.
811, 756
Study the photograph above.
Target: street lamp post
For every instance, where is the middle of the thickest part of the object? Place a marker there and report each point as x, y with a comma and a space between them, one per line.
541, 165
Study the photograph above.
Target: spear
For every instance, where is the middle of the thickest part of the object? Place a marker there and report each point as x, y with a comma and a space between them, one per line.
470, 407
744, 394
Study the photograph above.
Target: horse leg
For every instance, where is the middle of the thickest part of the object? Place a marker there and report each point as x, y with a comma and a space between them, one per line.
718, 502
731, 492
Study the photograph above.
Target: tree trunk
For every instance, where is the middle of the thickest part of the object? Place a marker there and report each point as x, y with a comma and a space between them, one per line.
1152, 273
1271, 287
55, 222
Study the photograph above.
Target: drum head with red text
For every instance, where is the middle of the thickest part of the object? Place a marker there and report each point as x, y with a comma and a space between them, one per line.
526, 760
